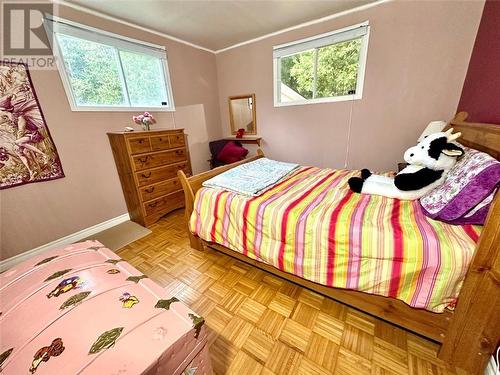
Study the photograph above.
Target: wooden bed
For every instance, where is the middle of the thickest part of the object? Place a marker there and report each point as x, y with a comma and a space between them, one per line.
471, 333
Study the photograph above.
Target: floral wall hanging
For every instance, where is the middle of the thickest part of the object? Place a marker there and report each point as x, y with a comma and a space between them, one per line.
27, 152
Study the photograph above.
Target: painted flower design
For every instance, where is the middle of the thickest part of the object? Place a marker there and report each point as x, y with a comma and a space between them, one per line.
165, 303
57, 274
46, 260
136, 279
128, 300
44, 354
4, 356
73, 300
106, 340
159, 333
65, 286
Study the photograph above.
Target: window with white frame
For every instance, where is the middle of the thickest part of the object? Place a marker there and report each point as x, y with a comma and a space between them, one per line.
326, 67
106, 71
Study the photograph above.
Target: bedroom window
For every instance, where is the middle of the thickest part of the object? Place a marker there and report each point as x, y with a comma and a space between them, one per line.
102, 71
325, 68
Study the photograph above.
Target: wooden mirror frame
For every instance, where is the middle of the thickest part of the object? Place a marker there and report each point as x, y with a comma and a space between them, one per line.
231, 117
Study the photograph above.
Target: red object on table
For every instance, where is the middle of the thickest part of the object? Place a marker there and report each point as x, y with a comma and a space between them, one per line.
240, 133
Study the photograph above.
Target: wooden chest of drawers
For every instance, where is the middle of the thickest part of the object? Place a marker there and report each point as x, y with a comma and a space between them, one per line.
147, 164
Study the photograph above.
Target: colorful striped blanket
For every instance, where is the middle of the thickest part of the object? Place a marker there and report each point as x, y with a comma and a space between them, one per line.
310, 224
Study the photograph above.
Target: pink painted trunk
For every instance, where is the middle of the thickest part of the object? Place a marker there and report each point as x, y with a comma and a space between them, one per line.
82, 310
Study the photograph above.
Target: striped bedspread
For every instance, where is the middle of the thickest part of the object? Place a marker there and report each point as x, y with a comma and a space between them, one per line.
313, 226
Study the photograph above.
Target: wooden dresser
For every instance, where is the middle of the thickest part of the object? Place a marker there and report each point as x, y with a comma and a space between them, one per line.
147, 163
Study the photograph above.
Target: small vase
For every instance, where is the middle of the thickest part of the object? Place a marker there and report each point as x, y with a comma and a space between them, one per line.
145, 127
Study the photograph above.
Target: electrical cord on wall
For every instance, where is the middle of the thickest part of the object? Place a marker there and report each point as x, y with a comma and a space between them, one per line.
349, 133
173, 119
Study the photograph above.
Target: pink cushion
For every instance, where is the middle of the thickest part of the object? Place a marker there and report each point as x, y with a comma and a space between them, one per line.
232, 153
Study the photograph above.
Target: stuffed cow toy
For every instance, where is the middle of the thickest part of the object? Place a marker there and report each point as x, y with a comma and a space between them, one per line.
429, 162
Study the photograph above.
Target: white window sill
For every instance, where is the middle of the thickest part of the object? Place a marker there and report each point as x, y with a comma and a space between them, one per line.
345, 98
121, 109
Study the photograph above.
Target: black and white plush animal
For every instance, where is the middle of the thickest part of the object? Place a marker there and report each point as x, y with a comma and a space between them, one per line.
429, 162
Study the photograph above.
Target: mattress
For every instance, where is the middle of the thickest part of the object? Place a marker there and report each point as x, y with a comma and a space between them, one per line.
313, 226
83, 310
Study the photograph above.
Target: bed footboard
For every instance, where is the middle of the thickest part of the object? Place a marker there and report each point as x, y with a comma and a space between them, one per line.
474, 331
192, 184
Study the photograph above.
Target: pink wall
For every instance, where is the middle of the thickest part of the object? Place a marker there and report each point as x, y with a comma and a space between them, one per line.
481, 92
417, 60
35, 214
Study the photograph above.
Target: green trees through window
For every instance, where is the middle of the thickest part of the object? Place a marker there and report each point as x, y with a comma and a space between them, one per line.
323, 72
93, 72
104, 75
144, 77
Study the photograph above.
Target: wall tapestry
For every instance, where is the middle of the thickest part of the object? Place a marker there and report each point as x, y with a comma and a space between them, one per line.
27, 152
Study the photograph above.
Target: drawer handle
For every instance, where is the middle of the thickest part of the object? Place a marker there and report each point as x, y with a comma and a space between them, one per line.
144, 175
153, 205
178, 152
160, 139
141, 141
144, 160
150, 190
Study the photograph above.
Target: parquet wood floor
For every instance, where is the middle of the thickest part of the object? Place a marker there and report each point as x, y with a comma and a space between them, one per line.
261, 324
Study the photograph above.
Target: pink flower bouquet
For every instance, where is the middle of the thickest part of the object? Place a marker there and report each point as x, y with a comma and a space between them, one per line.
145, 120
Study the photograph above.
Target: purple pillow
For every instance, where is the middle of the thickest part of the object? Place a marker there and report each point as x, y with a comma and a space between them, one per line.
466, 194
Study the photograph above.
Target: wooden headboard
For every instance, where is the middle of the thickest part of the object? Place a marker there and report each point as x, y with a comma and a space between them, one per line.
482, 137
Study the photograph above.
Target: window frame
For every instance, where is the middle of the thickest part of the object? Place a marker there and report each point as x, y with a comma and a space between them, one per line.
361, 67
52, 25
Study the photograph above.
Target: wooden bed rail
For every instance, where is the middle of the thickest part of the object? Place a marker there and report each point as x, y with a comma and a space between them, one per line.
471, 334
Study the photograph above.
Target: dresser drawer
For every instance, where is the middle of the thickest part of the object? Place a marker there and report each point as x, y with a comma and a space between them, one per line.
139, 145
164, 204
160, 142
152, 176
158, 159
177, 140
167, 141
157, 190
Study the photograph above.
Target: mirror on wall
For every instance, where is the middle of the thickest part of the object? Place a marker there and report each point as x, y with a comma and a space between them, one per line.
242, 113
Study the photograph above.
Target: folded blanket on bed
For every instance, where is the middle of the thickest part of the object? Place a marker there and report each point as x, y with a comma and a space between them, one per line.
252, 178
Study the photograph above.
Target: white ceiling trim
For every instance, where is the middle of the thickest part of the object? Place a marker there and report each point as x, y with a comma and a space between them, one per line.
167, 36
130, 24
305, 24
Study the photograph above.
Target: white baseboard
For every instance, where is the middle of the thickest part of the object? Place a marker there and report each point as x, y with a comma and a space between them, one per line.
69, 239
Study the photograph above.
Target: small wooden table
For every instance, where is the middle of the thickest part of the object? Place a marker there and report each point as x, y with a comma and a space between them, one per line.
246, 139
